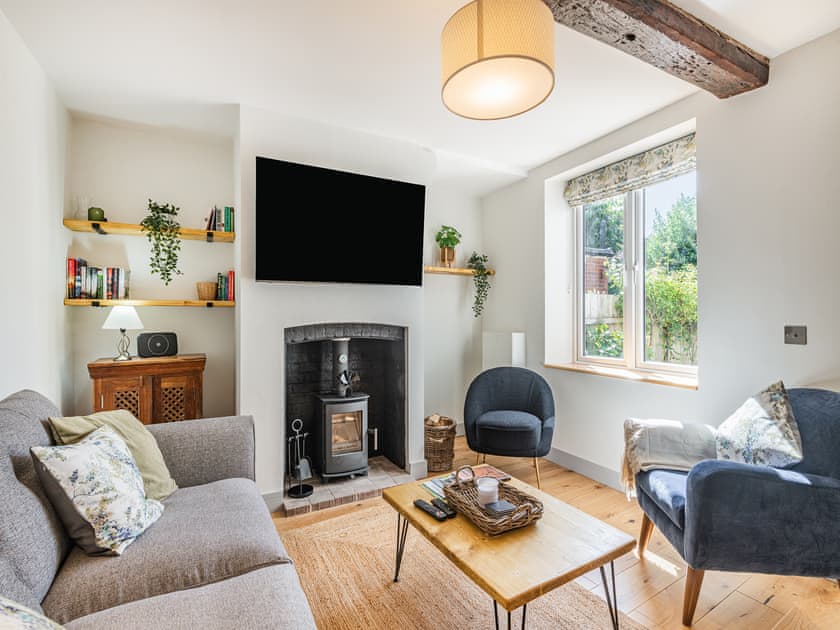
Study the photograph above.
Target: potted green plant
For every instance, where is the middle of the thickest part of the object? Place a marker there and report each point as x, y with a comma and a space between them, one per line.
481, 281
163, 231
447, 239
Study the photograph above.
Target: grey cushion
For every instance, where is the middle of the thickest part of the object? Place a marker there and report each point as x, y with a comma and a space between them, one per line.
269, 598
200, 451
206, 534
666, 488
501, 430
32, 540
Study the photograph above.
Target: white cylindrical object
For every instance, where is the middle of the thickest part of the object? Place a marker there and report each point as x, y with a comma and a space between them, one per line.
488, 490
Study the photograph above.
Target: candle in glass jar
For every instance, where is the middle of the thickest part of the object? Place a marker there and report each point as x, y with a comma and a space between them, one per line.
488, 490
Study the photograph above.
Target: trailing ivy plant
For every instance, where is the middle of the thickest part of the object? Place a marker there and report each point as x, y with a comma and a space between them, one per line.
447, 236
481, 281
162, 230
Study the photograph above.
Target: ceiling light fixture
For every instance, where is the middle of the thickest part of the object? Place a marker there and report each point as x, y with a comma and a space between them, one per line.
497, 58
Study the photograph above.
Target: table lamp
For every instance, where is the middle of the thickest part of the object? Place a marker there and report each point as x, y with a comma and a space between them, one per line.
123, 318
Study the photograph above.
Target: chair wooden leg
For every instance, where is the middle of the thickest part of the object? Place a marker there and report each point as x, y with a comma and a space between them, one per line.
537, 466
693, 582
484, 458
477, 459
645, 534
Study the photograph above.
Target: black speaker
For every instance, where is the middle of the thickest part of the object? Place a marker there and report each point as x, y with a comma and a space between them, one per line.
157, 344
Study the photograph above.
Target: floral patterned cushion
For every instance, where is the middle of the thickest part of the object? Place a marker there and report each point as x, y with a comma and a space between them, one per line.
763, 431
97, 491
13, 616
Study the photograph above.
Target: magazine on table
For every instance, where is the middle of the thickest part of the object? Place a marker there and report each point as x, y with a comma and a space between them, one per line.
435, 485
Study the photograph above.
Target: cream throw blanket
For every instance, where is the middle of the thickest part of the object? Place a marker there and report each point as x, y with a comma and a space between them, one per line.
663, 444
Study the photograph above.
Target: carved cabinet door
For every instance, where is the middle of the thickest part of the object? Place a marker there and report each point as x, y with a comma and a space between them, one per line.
176, 397
122, 393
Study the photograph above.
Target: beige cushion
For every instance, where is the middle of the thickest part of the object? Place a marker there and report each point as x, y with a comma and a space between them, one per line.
157, 481
207, 533
95, 487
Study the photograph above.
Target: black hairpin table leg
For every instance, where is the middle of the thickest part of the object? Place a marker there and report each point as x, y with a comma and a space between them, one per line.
496, 615
612, 600
402, 534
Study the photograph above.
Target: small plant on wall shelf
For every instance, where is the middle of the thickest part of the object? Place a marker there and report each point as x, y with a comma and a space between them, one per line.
163, 231
481, 281
447, 239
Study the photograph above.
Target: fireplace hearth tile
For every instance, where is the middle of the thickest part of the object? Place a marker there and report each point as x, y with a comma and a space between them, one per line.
382, 474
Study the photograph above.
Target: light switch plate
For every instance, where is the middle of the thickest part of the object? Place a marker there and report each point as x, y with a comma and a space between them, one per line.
797, 335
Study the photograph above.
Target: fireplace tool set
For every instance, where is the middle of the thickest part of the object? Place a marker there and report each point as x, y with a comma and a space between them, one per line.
299, 466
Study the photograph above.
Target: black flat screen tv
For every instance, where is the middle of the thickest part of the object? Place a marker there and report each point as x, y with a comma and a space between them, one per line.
319, 225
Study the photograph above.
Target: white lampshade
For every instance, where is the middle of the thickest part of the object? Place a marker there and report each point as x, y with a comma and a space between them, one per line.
123, 318
497, 58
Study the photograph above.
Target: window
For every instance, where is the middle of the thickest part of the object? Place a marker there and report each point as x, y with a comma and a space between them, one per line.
637, 277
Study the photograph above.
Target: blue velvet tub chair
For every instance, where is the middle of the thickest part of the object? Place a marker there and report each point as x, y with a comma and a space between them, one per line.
509, 411
727, 516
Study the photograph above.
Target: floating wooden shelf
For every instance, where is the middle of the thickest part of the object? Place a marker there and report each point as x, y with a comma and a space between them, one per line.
91, 302
132, 229
454, 271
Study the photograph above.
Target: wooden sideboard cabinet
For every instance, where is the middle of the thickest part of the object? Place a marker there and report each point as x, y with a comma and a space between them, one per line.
159, 389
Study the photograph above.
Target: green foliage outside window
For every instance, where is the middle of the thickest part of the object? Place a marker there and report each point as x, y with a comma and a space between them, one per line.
601, 341
670, 307
671, 315
605, 218
671, 285
673, 244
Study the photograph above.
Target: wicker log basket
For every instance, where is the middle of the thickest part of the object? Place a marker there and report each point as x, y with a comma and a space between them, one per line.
439, 442
462, 495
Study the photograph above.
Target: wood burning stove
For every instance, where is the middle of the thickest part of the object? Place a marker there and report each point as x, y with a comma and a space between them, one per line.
344, 429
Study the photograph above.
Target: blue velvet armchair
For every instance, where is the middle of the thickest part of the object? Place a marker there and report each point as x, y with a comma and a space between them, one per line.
727, 516
509, 411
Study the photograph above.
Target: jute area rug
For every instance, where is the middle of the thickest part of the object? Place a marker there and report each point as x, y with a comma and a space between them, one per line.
346, 567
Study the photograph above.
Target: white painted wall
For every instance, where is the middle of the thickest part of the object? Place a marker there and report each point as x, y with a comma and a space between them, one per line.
438, 366
452, 354
33, 132
768, 226
119, 166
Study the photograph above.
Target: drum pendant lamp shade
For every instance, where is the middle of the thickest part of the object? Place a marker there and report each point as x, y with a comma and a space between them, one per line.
497, 58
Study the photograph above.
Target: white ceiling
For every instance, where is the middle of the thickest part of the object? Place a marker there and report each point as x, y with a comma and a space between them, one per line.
371, 65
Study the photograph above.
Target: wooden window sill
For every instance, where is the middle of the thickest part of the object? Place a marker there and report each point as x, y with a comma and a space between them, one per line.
640, 376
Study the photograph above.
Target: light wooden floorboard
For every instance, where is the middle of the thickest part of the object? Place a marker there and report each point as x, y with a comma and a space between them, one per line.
651, 590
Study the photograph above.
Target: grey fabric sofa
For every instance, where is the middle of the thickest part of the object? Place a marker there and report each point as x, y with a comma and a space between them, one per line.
213, 560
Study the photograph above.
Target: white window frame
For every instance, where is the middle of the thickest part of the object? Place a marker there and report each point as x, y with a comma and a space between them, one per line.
634, 296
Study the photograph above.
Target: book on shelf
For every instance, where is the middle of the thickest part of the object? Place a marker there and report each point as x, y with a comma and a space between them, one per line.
220, 219
96, 283
225, 286
435, 485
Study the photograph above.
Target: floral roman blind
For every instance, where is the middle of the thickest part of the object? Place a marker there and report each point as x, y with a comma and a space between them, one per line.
638, 171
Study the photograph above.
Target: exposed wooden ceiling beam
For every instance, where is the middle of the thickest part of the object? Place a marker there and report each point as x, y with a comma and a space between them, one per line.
670, 39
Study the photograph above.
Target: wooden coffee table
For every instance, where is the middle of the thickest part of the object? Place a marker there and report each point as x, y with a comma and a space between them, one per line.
518, 566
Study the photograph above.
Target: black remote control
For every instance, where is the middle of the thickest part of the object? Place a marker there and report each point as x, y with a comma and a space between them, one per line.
444, 507
428, 508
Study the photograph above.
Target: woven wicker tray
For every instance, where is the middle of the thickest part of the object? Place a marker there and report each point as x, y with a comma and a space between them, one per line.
462, 495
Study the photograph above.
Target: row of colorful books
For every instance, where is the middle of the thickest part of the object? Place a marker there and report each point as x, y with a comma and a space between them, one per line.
225, 286
98, 283
220, 219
